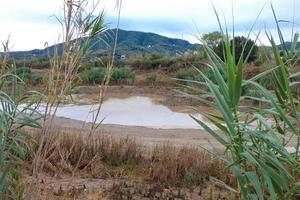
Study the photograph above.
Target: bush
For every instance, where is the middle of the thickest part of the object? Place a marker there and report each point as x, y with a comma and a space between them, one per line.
152, 77
36, 77
40, 63
26, 74
23, 72
94, 75
187, 75
123, 74
239, 46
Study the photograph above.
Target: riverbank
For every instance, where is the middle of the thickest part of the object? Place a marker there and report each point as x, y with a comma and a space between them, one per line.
148, 137
119, 162
168, 96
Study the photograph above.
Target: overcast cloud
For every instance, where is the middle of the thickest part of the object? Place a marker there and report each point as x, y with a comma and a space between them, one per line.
30, 25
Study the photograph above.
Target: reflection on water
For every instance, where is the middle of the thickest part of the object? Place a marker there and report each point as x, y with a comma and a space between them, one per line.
133, 111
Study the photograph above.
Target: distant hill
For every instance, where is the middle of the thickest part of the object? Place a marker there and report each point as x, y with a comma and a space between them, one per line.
289, 44
129, 43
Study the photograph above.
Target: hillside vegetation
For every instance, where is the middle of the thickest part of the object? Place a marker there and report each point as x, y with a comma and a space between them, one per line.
130, 43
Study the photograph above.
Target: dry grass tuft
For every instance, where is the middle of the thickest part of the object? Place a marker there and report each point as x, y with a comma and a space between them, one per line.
103, 156
71, 152
185, 166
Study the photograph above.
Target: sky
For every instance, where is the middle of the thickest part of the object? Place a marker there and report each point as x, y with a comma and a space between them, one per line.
31, 24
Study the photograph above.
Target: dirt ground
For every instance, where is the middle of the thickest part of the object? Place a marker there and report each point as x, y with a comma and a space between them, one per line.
149, 137
57, 188
165, 95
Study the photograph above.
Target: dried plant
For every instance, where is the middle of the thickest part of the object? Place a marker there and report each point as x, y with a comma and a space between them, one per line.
80, 26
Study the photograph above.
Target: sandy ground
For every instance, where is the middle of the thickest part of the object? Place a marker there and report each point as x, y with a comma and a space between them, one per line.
165, 95
149, 137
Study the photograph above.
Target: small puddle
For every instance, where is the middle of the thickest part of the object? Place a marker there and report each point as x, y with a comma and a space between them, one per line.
132, 111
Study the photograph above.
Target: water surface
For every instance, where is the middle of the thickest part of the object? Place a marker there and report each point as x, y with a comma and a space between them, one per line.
132, 111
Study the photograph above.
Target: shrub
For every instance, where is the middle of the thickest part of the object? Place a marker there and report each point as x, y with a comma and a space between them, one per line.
239, 46
152, 77
40, 63
36, 77
23, 72
187, 75
94, 75
123, 74
26, 74
258, 62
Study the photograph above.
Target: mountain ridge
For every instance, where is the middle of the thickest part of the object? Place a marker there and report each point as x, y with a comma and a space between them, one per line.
129, 43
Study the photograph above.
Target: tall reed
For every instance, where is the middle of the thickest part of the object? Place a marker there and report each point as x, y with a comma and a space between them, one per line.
17, 111
264, 169
79, 26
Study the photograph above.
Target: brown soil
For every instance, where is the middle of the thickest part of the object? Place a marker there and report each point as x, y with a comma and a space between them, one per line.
56, 188
149, 137
165, 95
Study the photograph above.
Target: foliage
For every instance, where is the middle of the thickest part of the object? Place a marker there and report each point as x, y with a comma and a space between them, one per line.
188, 74
80, 25
191, 75
36, 77
263, 55
212, 39
17, 111
94, 75
150, 61
26, 74
153, 76
242, 46
130, 43
23, 72
40, 63
264, 169
124, 74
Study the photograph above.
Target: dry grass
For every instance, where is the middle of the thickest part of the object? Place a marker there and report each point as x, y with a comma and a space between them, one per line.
185, 166
103, 156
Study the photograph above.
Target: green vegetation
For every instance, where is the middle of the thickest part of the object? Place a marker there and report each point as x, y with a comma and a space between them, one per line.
23, 72
243, 48
153, 77
123, 75
264, 169
130, 43
26, 74
36, 77
96, 75
213, 39
188, 74
14, 117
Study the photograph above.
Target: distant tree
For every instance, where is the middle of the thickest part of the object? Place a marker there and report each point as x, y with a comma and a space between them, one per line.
239, 44
212, 39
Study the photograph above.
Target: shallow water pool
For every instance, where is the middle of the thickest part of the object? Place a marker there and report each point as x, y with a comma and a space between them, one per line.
132, 111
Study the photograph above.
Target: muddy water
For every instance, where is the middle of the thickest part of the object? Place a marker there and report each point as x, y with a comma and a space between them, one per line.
132, 111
